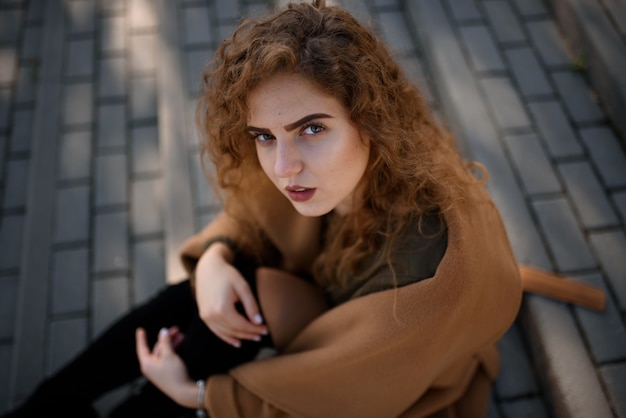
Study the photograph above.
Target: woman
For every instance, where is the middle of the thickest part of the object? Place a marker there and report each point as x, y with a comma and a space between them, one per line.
354, 240
368, 197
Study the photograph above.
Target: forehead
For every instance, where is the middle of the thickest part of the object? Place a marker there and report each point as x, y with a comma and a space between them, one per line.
289, 96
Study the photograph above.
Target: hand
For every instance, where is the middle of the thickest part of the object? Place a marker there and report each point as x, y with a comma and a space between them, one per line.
219, 286
165, 369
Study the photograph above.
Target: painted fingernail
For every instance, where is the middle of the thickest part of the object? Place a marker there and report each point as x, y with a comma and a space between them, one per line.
258, 319
163, 332
257, 338
236, 345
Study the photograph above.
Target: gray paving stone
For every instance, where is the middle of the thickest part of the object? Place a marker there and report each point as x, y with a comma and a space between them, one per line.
149, 269
464, 10
112, 6
111, 180
5, 378
395, 32
586, 192
8, 65
112, 78
202, 190
142, 15
113, 37
35, 11
3, 141
10, 24
414, 71
615, 377
604, 331
548, 43
360, 11
70, 280
523, 408
196, 26
78, 104
528, 73
26, 83
80, 58
145, 150
5, 98
610, 248
143, 53
532, 163
505, 103
516, 377
111, 242
147, 207
380, 4
75, 156
11, 230
482, 49
607, 154
504, 21
617, 10
565, 239
577, 97
262, 8
82, 14
72, 215
530, 8
111, 126
228, 10
111, 299
22, 130
8, 299
16, 180
226, 30
570, 376
31, 43
67, 338
555, 129
196, 60
143, 98
620, 201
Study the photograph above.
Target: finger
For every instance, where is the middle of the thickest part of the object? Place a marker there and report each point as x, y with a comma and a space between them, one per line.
249, 303
164, 343
143, 351
228, 339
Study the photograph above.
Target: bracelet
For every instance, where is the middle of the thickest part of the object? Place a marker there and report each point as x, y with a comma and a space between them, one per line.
200, 411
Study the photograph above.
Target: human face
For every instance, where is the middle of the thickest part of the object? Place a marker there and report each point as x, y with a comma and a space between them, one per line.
306, 144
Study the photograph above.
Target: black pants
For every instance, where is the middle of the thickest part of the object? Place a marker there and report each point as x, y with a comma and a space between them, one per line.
111, 361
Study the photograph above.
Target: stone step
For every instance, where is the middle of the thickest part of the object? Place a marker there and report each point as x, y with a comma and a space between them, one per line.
596, 35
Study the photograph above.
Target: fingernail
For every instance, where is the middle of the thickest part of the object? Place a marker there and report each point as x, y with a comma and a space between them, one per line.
236, 345
264, 332
257, 338
258, 319
163, 332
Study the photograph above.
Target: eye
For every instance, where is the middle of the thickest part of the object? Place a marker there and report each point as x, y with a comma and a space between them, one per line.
312, 129
262, 137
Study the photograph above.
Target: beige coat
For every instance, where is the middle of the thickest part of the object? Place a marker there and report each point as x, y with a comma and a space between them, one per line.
424, 349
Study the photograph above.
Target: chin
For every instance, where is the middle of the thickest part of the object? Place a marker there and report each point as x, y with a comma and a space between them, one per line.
312, 212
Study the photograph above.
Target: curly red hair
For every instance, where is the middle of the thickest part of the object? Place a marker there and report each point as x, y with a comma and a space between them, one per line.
414, 167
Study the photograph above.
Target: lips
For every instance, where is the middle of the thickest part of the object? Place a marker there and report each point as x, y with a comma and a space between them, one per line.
299, 193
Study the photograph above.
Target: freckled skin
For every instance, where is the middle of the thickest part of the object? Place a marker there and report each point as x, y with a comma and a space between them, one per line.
306, 141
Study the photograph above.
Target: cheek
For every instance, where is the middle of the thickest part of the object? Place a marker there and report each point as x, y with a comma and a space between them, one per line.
265, 160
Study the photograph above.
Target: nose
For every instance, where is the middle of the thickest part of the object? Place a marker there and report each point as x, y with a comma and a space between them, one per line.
288, 160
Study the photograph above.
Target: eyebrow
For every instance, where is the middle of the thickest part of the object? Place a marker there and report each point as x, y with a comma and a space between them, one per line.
290, 127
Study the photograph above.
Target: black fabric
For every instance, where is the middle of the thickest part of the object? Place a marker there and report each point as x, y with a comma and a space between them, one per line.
111, 361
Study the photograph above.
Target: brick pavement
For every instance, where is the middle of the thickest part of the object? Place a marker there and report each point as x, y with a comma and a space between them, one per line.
100, 176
